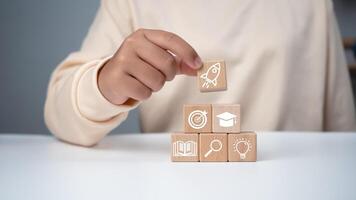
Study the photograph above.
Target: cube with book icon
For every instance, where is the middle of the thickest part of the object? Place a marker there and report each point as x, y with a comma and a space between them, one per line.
185, 147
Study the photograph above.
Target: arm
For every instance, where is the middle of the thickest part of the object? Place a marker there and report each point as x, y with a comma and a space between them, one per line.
75, 110
88, 97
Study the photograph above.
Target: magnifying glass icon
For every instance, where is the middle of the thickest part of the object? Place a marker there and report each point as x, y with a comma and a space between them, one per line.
218, 147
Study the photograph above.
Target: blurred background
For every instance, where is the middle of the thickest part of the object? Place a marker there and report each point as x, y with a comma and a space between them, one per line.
36, 35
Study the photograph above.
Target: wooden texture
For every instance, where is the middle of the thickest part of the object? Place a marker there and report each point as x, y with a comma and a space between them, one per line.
197, 118
213, 147
242, 147
226, 118
212, 76
184, 147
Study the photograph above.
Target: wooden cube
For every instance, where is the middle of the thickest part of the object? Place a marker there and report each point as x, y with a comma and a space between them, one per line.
197, 118
213, 147
242, 147
185, 147
226, 118
212, 76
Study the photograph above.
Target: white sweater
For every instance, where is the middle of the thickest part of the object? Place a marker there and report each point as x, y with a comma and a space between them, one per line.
285, 65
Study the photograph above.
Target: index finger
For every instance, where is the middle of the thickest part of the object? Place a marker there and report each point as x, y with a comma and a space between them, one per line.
176, 45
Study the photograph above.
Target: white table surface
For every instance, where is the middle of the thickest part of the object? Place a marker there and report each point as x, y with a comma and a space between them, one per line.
137, 166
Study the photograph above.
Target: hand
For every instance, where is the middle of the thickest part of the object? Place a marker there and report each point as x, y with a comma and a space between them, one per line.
143, 63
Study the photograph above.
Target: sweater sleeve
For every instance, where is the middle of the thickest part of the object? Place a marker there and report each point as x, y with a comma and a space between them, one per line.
75, 110
339, 104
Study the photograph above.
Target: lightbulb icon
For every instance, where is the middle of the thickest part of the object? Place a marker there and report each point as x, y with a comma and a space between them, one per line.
242, 146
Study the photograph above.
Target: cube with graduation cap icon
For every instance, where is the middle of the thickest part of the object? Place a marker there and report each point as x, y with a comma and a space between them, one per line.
226, 118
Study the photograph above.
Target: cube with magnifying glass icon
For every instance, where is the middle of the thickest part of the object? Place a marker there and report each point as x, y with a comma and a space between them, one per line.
213, 147
242, 147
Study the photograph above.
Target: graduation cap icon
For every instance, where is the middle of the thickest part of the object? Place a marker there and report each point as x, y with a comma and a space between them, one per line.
227, 119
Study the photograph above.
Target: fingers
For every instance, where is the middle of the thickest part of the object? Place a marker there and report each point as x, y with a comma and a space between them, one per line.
142, 64
137, 90
157, 57
175, 44
146, 74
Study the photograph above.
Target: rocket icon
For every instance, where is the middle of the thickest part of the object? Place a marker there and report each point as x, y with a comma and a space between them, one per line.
211, 75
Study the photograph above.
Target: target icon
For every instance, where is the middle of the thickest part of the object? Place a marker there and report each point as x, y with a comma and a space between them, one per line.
198, 119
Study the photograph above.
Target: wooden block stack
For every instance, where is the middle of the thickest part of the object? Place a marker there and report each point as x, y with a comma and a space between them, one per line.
212, 131
212, 134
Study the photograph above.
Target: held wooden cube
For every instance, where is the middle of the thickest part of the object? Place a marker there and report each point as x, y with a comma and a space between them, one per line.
226, 118
242, 147
197, 118
185, 147
213, 147
212, 76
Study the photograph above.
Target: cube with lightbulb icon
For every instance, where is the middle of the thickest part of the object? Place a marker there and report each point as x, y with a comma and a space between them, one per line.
242, 147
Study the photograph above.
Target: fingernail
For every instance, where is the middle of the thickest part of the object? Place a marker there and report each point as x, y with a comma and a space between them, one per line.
197, 63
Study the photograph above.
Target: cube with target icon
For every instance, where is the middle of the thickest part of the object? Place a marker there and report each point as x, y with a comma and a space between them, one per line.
197, 118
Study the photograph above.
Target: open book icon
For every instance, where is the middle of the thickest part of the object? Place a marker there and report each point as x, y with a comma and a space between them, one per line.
188, 148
